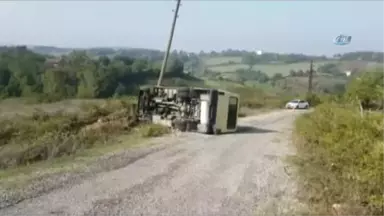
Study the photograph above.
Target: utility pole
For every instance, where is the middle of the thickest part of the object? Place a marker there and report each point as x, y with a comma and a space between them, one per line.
165, 60
310, 78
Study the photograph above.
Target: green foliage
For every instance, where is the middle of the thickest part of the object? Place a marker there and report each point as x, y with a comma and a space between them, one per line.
330, 68
250, 59
245, 75
340, 150
340, 159
367, 88
27, 74
313, 99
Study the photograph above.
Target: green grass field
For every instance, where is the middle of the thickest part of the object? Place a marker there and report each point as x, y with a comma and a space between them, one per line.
214, 64
269, 69
212, 61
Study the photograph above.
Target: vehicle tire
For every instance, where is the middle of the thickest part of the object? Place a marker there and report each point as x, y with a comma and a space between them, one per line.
306, 107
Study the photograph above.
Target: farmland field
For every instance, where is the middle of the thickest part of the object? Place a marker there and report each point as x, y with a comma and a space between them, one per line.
215, 64
269, 69
211, 61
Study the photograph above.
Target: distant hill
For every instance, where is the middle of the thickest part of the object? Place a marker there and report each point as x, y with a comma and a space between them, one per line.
98, 51
242, 66
50, 50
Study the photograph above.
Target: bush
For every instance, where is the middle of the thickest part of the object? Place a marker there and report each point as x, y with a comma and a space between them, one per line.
313, 99
340, 159
368, 89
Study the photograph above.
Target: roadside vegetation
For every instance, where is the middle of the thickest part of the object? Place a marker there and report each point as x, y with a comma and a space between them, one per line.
340, 151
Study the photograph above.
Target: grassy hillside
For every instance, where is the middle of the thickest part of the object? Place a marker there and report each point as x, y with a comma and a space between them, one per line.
320, 84
231, 64
214, 61
269, 69
220, 64
329, 75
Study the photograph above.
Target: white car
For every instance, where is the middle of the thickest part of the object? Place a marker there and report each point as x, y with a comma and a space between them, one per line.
297, 104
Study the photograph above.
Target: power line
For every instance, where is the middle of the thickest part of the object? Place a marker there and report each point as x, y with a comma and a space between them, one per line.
165, 60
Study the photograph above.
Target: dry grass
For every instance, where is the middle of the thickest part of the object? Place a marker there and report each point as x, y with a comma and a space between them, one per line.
40, 135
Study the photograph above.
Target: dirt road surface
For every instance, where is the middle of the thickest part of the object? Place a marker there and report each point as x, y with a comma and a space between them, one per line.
230, 174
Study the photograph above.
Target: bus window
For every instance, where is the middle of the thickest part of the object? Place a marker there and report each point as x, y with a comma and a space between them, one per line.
232, 112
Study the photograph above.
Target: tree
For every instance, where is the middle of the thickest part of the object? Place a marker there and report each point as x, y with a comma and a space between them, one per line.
277, 76
139, 65
120, 90
5, 75
300, 73
292, 73
55, 85
263, 78
250, 60
367, 88
104, 60
24, 73
174, 66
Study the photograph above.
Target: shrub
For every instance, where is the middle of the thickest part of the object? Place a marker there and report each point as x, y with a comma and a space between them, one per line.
340, 159
313, 99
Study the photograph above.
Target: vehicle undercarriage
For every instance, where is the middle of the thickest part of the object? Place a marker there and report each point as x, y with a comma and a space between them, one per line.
182, 108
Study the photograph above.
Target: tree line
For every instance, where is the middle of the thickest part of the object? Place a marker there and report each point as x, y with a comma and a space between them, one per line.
186, 56
24, 73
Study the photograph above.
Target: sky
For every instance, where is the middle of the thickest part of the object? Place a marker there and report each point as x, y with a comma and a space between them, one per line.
273, 26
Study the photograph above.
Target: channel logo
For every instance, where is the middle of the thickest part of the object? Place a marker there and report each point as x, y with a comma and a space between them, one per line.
342, 40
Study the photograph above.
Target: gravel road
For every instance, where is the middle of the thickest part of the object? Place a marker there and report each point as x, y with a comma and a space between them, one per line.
230, 174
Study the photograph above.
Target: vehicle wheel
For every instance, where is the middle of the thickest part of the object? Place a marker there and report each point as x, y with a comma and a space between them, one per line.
306, 107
